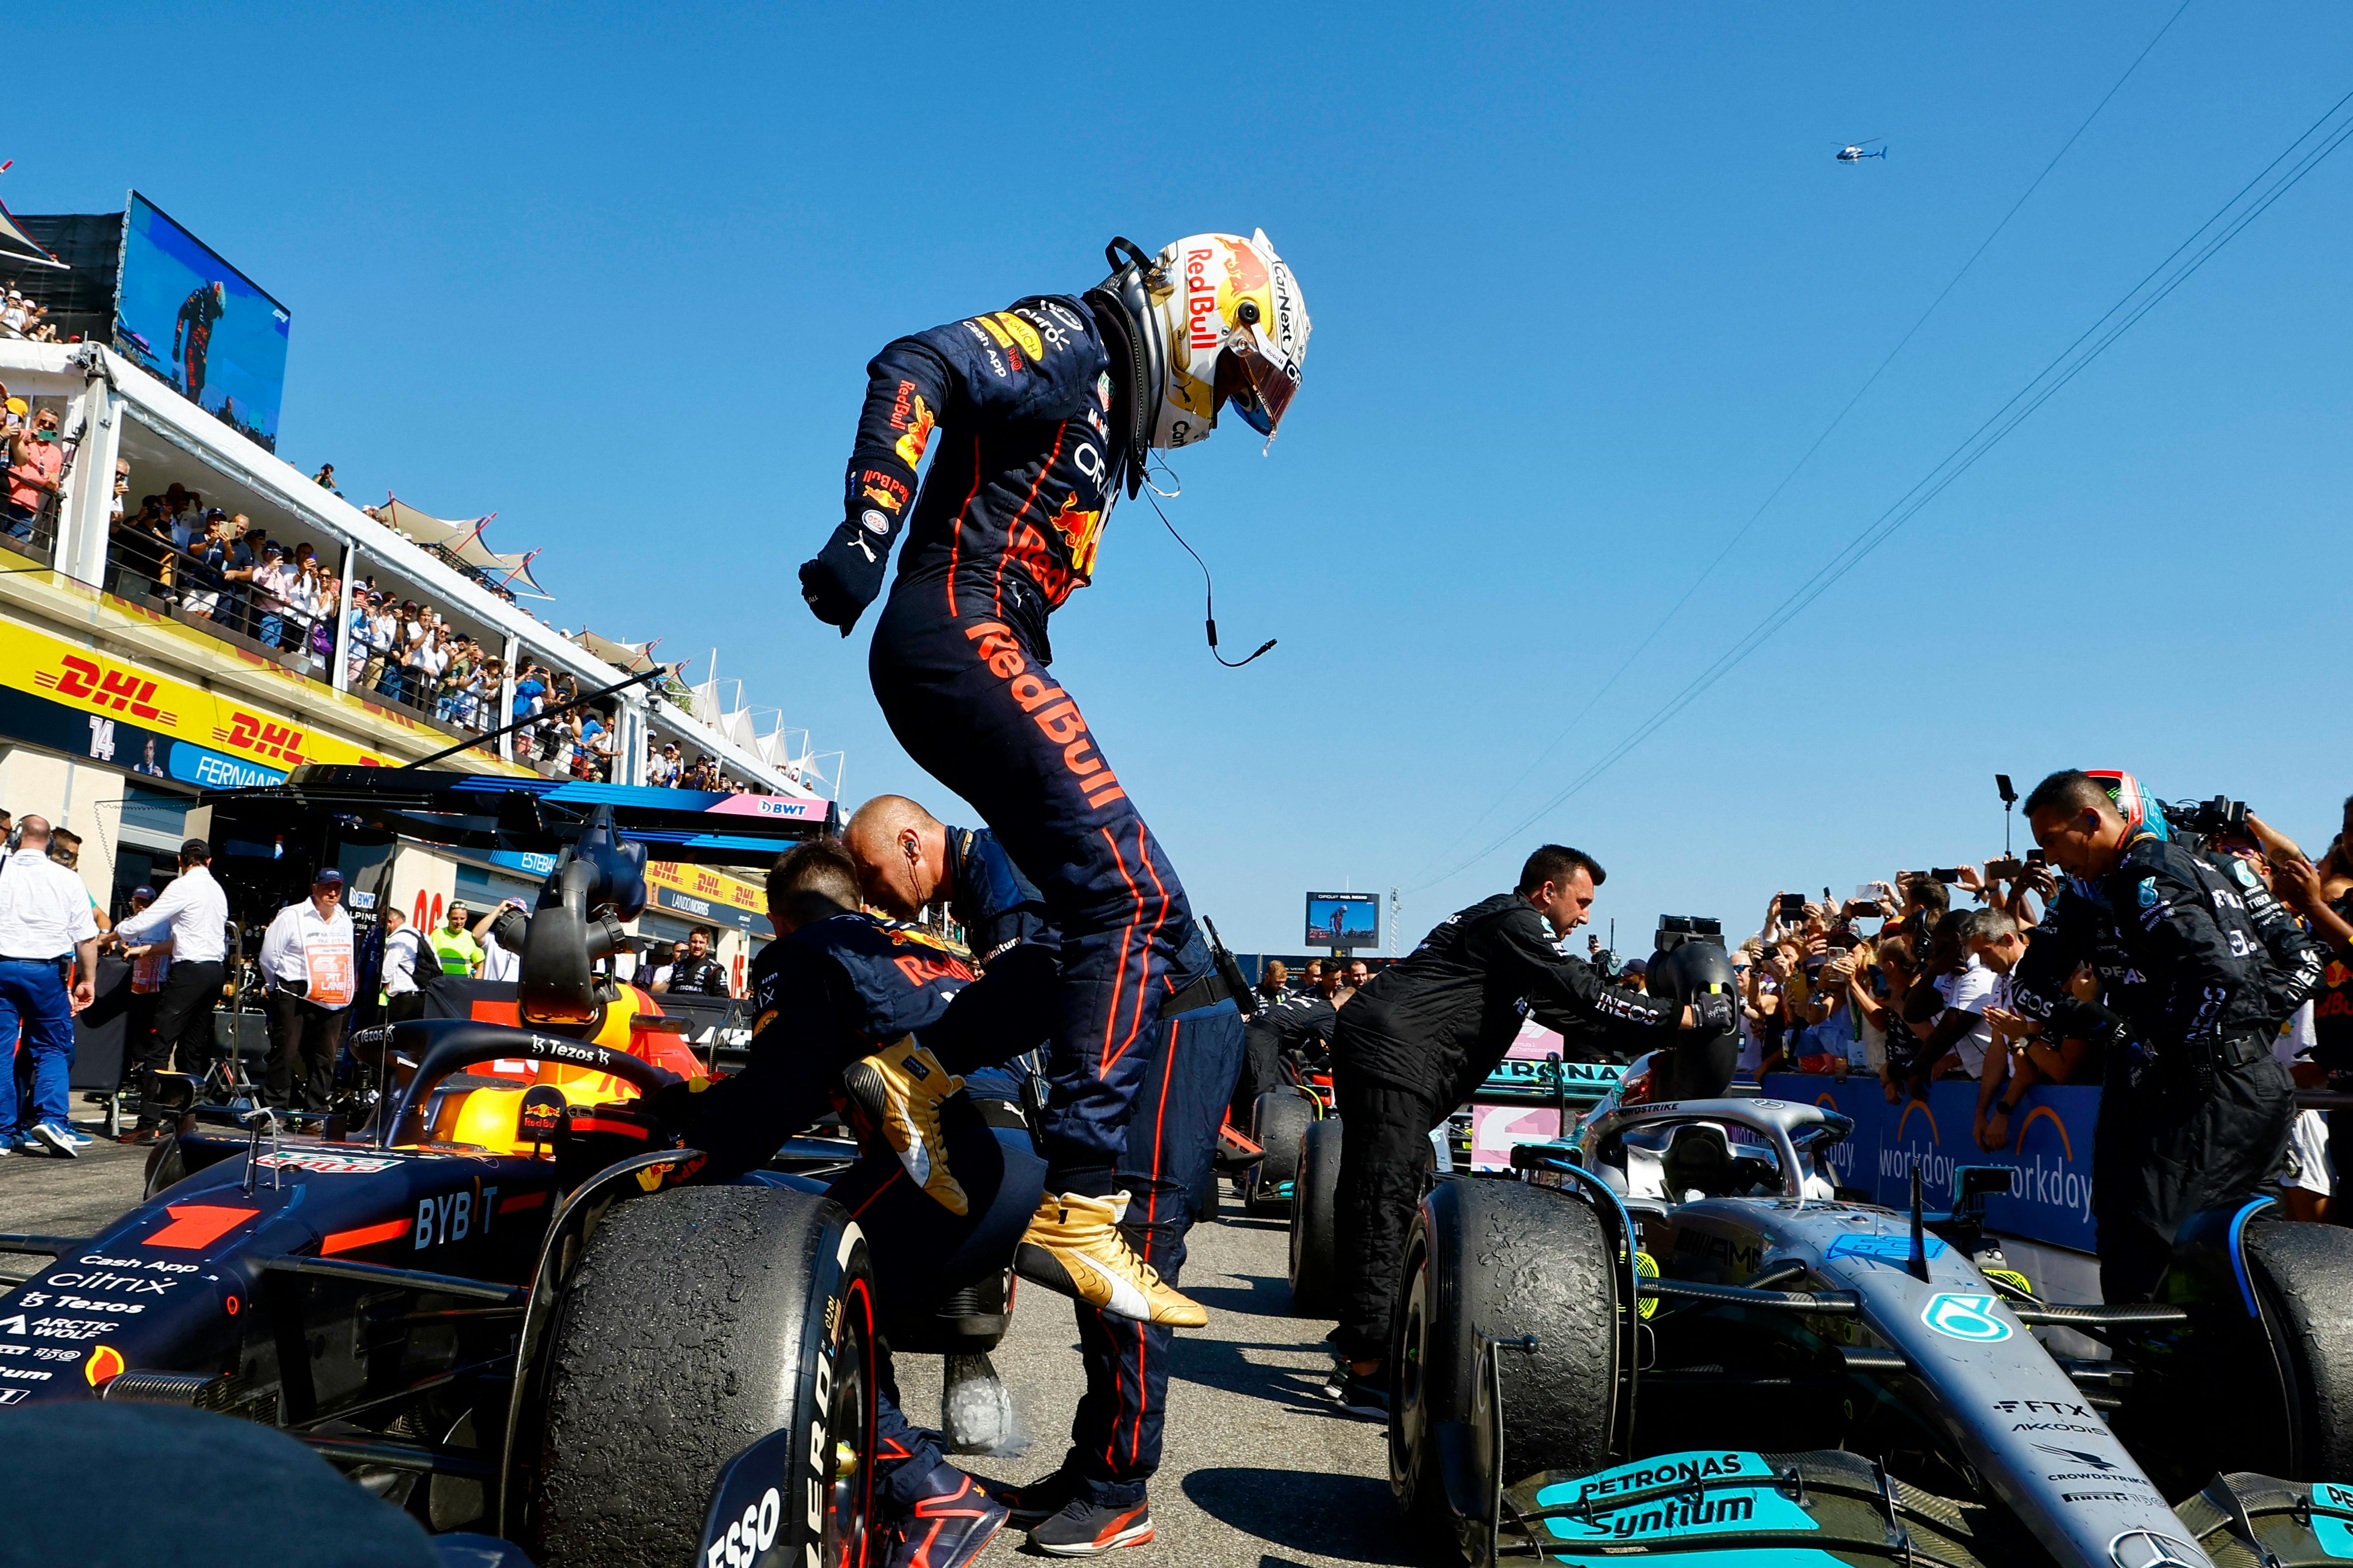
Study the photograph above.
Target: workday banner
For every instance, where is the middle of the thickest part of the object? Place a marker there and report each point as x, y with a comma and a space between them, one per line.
2049, 1148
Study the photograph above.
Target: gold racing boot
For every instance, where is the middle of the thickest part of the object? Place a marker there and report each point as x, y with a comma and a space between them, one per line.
1074, 1246
900, 1088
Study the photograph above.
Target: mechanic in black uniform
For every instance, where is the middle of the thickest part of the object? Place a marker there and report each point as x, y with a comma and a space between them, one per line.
696, 972
836, 992
1301, 1023
1415, 1043
2195, 1112
1097, 1501
1040, 411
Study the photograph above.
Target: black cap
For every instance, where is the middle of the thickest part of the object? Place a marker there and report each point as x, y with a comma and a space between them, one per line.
196, 849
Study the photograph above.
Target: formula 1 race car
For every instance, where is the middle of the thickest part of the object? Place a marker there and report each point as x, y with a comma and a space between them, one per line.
493, 1304
1671, 1335
1530, 1086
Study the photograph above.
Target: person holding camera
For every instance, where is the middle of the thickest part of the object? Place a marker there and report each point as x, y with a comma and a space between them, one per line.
2196, 1111
36, 464
1424, 1034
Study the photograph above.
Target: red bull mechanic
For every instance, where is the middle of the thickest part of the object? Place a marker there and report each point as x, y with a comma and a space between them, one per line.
1034, 417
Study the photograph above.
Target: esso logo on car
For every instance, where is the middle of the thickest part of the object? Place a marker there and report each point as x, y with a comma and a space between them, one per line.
749, 1536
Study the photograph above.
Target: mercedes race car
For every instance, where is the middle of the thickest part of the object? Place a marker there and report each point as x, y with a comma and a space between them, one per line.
1671, 1335
492, 1302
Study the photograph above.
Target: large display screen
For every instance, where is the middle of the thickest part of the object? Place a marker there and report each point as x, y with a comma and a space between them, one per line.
1343, 920
186, 315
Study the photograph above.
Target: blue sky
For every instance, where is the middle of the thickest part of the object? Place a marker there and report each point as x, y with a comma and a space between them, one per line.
1586, 282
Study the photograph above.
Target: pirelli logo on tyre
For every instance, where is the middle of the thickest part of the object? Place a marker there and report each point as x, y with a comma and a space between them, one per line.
1049, 708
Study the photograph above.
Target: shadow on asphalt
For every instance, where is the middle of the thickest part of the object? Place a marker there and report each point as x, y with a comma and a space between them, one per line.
1227, 1366
1267, 1296
1255, 1222
1349, 1518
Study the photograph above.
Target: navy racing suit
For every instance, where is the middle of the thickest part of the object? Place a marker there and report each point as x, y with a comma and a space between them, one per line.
1170, 1141
825, 996
2202, 964
1001, 530
1172, 1132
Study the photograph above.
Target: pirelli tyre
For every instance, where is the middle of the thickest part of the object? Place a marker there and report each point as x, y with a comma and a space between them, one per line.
1316, 1194
1277, 1120
2302, 1276
697, 1321
1489, 1261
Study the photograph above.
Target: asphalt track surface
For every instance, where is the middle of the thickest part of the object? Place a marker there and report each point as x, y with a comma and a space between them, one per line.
1258, 1471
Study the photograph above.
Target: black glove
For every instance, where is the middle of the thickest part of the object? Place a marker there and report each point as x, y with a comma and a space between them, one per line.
828, 599
1714, 1013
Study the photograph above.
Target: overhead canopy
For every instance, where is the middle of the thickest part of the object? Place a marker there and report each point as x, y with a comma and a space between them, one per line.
537, 815
462, 542
626, 657
15, 245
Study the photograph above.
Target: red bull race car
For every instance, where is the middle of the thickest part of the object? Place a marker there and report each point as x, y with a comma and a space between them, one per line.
489, 1301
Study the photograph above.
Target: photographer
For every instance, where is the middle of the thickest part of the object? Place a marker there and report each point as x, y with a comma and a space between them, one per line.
2195, 1114
1428, 1030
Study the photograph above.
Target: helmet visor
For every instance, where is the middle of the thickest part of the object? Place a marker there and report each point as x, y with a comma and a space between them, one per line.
1268, 384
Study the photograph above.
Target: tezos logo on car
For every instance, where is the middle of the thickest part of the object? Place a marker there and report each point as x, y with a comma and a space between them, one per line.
1959, 1315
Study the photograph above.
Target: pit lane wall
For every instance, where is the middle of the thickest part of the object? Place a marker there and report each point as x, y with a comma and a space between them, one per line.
2050, 1199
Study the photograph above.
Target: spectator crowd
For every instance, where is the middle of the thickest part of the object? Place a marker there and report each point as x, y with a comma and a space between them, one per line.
1907, 982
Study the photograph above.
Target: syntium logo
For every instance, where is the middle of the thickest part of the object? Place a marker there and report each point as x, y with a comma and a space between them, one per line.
1672, 1515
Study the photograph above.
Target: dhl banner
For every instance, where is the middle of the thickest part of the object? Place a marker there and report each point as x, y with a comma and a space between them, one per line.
76, 700
709, 895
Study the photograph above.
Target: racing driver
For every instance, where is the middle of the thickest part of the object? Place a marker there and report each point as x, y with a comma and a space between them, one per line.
907, 860
1040, 413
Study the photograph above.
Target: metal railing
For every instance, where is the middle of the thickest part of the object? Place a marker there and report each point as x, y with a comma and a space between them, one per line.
192, 586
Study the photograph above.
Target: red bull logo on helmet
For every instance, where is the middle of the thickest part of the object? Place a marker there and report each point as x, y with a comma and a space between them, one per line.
1201, 298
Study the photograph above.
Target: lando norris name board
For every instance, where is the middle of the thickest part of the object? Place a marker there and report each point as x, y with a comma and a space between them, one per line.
2049, 1147
75, 700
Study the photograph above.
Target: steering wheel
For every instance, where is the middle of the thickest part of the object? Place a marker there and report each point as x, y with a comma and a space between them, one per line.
442, 1046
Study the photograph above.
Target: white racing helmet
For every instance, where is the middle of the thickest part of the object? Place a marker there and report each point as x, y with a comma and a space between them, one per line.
1218, 322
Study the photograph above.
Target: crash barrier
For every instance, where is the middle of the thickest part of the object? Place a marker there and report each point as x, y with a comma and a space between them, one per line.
2049, 1147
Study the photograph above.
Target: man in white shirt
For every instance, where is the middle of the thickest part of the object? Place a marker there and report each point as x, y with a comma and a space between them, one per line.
192, 916
44, 916
310, 971
402, 1000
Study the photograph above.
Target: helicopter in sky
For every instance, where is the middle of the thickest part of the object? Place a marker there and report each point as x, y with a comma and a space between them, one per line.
1855, 154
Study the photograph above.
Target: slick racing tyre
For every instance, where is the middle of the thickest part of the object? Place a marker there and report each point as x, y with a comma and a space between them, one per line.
698, 1321
2302, 1279
1277, 1121
1315, 1196
1491, 1260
